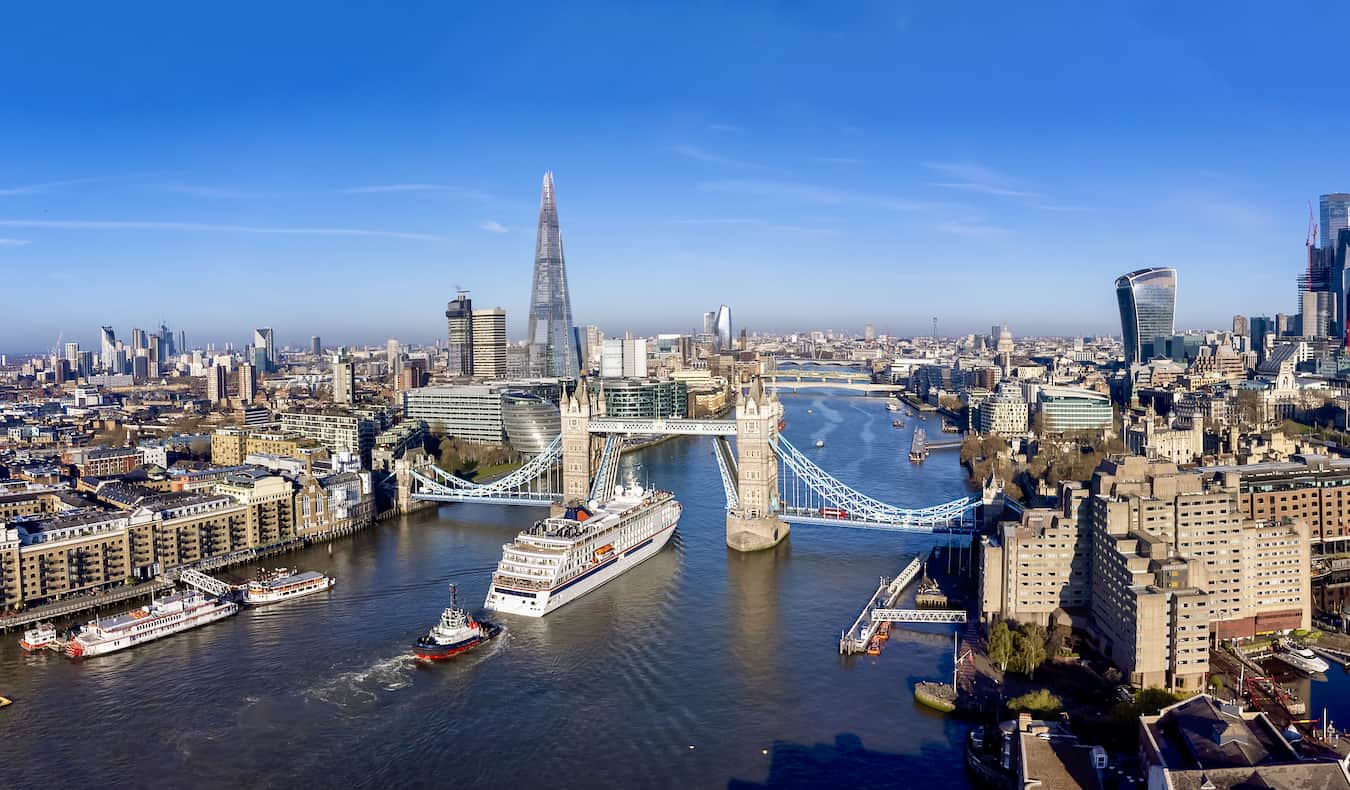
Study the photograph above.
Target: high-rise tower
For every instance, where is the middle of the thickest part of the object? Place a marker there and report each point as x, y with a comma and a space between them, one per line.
552, 341
1148, 301
459, 334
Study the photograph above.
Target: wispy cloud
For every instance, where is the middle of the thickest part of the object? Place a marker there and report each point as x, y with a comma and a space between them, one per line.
13, 242
838, 160
971, 229
448, 190
494, 226
198, 190
758, 224
81, 224
34, 189
724, 127
813, 193
699, 155
970, 177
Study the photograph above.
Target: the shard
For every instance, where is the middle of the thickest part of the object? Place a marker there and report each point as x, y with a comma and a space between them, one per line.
552, 341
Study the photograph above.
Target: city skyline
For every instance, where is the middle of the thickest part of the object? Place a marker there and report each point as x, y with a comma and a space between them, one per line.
745, 203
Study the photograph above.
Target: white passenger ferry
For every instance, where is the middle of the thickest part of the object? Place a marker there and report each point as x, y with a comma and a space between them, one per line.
561, 559
163, 617
283, 585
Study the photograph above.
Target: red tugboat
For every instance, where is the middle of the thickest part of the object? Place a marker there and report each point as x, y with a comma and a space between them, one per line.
456, 633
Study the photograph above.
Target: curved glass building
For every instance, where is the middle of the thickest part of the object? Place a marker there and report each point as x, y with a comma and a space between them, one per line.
722, 325
1148, 301
531, 421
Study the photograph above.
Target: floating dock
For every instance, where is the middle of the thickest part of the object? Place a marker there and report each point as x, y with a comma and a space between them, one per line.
864, 635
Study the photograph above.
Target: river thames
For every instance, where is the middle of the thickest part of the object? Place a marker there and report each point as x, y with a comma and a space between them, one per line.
700, 668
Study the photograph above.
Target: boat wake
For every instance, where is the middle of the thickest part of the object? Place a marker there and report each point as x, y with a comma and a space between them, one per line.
364, 686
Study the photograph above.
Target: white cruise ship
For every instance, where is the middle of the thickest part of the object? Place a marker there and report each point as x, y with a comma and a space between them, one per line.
558, 560
162, 617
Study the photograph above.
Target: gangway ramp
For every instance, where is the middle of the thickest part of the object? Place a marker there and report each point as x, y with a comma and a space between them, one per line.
207, 584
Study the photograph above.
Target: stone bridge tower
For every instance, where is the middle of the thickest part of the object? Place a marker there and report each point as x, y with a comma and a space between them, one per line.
576, 444
754, 524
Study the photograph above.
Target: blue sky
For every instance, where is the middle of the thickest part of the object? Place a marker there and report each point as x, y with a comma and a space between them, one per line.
338, 169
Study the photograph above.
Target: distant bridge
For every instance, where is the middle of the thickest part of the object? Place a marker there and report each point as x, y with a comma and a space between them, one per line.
582, 464
834, 363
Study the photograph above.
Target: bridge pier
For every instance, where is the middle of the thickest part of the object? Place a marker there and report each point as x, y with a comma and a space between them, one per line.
754, 524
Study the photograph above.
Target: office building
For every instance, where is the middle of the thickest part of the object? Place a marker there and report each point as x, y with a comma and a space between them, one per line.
262, 339
869, 333
72, 356
394, 356
1005, 414
531, 421
137, 338
344, 379
472, 412
315, 346
634, 357
459, 334
489, 343
108, 350
1147, 300
1064, 409
338, 429
722, 329
646, 398
1334, 216
611, 358
552, 342
217, 384
140, 366
248, 383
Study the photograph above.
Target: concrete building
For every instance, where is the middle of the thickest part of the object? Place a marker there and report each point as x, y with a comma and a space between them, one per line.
344, 380
611, 358
1169, 544
393, 353
1038, 567
217, 384
489, 343
248, 383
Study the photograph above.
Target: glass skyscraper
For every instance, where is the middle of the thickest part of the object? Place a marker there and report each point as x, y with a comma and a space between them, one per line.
553, 346
1335, 210
1148, 300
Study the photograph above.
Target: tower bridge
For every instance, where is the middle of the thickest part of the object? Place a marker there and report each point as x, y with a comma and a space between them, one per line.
768, 483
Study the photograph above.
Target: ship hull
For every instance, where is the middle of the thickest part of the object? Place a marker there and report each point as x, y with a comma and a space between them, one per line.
537, 603
430, 651
78, 648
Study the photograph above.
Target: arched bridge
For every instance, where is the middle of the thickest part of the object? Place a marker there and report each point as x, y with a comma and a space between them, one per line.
768, 482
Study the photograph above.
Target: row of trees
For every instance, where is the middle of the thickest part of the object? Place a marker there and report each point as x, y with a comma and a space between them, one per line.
1022, 650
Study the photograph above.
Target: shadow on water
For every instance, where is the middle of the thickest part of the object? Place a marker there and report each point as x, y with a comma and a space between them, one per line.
845, 763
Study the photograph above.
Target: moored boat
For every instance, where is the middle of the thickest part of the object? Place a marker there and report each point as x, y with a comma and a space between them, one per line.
283, 585
1300, 658
456, 633
160, 618
39, 636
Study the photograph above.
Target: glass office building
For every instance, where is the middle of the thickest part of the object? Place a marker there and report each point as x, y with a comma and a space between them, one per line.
531, 421
1148, 300
1335, 211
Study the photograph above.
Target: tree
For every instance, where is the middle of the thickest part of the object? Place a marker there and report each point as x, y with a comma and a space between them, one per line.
1000, 645
1040, 701
1029, 645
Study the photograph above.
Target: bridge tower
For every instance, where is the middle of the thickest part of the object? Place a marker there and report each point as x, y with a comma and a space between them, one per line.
754, 523
576, 444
